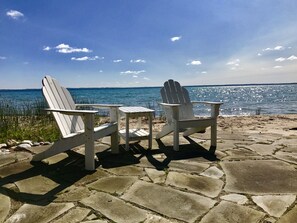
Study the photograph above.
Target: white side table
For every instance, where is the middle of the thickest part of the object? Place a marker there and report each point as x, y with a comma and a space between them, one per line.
138, 133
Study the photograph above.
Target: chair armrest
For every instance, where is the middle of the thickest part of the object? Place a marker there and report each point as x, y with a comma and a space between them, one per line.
114, 109
207, 102
99, 105
215, 107
169, 105
72, 112
174, 108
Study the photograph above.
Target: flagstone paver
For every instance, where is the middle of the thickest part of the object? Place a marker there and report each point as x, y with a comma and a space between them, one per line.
113, 184
260, 177
289, 217
237, 198
187, 166
36, 185
5, 206
275, 205
227, 212
200, 184
74, 215
213, 172
73, 194
13, 157
29, 213
157, 176
169, 202
114, 208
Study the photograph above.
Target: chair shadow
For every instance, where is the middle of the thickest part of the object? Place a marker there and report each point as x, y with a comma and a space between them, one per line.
188, 151
124, 158
64, 173
71, 169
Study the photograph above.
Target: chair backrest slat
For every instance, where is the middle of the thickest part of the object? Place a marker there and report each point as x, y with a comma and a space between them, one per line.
174, 93
58, 97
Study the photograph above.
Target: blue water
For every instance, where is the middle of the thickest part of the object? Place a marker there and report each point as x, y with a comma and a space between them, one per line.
238, 100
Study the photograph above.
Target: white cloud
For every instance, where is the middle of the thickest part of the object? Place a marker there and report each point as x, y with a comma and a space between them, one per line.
14, 14
46, 48
86, 58
175, 38
233, 62
137, 61
293, 57
146, 78
278, 48
133, 72
2, 58
117, 61
194, 62
280, 59
274, 49
204, 72
65, 48
277, 67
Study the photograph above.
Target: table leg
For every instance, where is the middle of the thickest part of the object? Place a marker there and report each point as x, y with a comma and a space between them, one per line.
127, 132
89, 144
150, 131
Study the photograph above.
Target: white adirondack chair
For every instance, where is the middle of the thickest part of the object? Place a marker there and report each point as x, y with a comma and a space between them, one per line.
180, 117
76, 126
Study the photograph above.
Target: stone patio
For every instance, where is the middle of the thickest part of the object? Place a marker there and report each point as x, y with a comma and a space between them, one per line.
252, 177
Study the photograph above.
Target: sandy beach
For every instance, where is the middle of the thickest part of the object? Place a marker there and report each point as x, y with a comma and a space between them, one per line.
251, 178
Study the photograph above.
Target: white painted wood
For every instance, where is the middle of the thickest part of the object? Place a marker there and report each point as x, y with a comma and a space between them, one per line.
76, 126
179, 113
136, 134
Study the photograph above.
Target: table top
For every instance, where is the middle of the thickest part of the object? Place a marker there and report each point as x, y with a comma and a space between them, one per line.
133, 110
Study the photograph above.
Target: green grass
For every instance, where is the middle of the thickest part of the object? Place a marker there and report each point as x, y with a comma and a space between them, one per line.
27, 121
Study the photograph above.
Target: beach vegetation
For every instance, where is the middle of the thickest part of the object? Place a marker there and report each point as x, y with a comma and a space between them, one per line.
26, 121
29, 121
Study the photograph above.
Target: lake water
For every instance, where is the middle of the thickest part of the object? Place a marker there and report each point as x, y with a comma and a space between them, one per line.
238, 100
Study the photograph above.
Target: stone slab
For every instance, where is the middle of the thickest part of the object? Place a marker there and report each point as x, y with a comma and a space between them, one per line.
260, 177
13, 157
114, 208
74, 215
200, 184
29, 213
213, 172
237, 198
113, 184
169, 202
5, 206
227, 212
157, 176
73, 194
127, 170
274, 205
37, 185
289, 217
187, 166
262, 149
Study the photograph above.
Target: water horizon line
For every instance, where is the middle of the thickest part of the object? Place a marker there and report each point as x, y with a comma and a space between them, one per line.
205, 85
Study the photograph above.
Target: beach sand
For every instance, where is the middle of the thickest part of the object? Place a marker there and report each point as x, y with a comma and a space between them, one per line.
252, 177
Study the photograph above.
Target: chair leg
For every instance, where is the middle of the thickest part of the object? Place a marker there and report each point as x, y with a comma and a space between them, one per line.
89, 144
214, 135
115, 143
176, 136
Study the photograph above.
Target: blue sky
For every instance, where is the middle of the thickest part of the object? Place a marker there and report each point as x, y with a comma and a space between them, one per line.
134, 43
